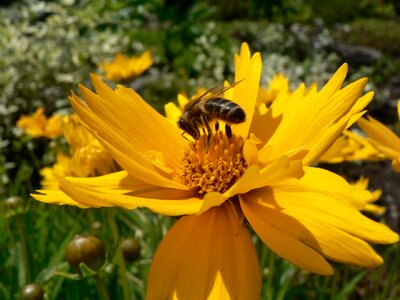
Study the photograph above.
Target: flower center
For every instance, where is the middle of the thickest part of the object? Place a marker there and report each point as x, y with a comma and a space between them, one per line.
214, 167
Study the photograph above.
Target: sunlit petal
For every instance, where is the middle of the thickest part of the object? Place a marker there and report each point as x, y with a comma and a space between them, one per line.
247, 69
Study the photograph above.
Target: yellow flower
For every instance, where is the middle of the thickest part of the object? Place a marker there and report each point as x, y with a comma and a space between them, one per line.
51, 175
124, 67
350, 147
88, 158
279, 84
278, 87
37, 124
362, 183
261, 173
385, 140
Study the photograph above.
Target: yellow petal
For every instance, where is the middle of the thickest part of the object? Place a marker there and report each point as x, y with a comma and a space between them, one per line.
266, 223
208, 256
381, 137
396, 164
335, 82
334, 241
375, 209
123, 190
247, 69
359, 106
129, 155
337, 203
250, 152
313, 228
56, 197
254, 178
172, 112
319, 181
314, 120
398, 108
128, 114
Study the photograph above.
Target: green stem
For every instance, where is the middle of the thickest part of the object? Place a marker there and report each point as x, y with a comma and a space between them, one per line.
102, 289
34, 158
271, 265
120, 257
24, 249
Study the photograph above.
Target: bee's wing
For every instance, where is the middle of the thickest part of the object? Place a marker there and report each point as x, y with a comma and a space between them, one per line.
212, 93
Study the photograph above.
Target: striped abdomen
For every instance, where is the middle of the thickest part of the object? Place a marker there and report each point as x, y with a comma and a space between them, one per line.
225, 110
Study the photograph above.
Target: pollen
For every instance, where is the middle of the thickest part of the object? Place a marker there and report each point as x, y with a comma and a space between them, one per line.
214, 167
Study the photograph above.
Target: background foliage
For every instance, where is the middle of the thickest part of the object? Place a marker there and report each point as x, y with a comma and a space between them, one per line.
48, 47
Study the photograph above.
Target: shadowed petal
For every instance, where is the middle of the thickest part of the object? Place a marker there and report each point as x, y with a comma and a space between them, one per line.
317, 211
267, 224
121, 189
209, 256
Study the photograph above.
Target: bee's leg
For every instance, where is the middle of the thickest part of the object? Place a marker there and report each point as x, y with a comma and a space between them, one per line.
208, 129
183, 134
228, 130
216, 126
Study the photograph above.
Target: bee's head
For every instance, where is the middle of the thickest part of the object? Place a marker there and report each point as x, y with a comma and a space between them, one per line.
189, 128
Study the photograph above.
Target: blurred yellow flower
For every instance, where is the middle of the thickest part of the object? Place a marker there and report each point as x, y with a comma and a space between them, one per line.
278, 84
88, 157
125, 68
362, 183
385, 140
260, 173
350, 147
37, 124
51, 175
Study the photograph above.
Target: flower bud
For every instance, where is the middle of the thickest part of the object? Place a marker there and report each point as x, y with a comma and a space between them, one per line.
130, 249
96, 226
32, 291
14, 202
86, 249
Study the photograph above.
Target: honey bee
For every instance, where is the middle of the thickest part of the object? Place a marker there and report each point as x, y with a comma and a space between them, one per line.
210, 106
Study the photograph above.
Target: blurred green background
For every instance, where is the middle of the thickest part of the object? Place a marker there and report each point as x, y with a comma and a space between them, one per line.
48, 47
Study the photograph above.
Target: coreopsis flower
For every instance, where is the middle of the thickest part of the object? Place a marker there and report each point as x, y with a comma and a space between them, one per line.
350, 147
278, 84
51, 175
362, 183
87, 158
38, 125
261, 172
384, 139
125, 68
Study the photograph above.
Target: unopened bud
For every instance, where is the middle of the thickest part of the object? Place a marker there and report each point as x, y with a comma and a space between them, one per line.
14, 202
32, 291
130, 249
96, 226
86, 249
